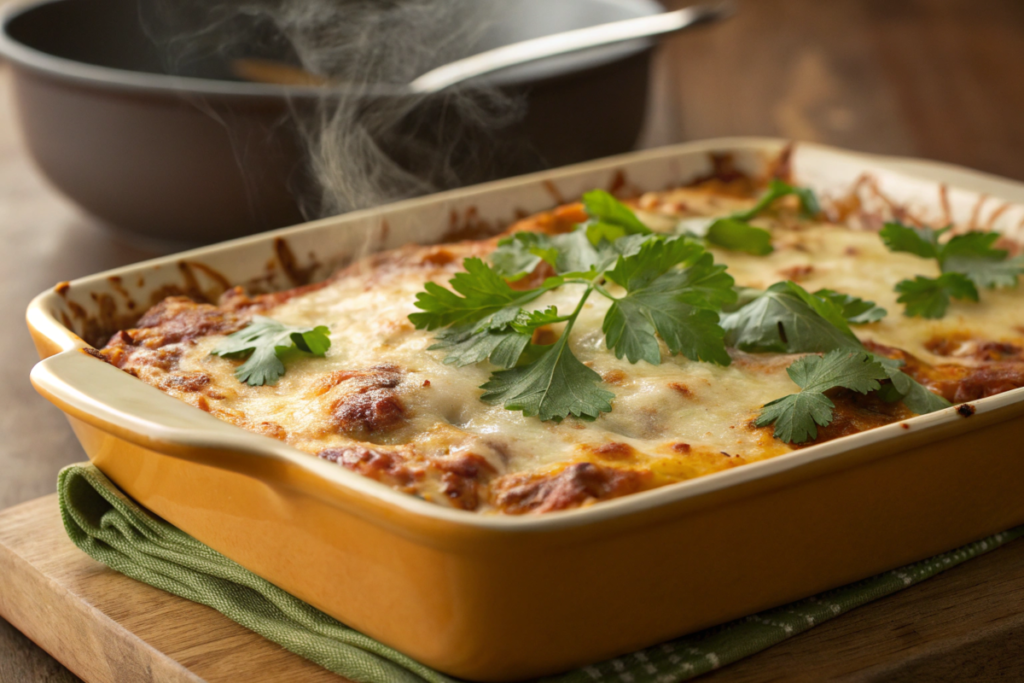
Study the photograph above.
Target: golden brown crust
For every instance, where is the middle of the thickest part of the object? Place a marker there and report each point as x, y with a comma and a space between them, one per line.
179, 319
578, 484
855, 412
1000, 370
387, 467
373, 405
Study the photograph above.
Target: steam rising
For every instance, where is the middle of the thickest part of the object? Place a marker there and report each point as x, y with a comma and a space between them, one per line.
365, 148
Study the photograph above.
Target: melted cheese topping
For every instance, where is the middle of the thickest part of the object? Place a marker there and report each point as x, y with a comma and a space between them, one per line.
385, 405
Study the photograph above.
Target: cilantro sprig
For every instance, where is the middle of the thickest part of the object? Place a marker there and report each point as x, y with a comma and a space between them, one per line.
671, 289
777, 189
665, 290
857, 311
681, 306
610, 219
267, 342
735, 232
554, 386
967, 263
786, 318
929, 297
797, 416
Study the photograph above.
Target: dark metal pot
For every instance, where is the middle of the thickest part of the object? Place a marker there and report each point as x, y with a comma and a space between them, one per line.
203, 159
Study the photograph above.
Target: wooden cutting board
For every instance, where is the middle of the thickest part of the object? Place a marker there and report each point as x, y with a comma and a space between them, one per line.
966, 624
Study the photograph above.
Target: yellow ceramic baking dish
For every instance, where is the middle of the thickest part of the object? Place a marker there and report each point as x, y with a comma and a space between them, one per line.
503, 598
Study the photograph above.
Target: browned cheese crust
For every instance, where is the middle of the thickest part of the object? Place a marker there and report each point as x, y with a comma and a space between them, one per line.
367, 413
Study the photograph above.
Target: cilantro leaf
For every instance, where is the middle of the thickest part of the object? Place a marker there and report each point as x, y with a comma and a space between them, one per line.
528, 322
695, 226
972, 254
267, 340
928, 297
923, 242
655, 258
517, 256
785, 318
624, 246
629, 330
710, 281
972, 245
484, 292
466, 346
576, 254
610, 218
856, 311
737, 235
826, 308
916, 396
778, 189
553, 387
797, 416
680, 305
592, 246
501, 338
673, 290
570, 253
988, 273
905, 388
968, 262
631, 322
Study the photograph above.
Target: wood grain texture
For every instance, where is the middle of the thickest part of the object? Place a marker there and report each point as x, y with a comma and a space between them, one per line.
108, 628
939, 79
964, 625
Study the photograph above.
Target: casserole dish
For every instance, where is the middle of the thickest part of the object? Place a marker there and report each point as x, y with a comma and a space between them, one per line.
498, 598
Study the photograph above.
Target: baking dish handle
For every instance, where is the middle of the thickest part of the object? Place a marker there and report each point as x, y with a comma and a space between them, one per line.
101, 395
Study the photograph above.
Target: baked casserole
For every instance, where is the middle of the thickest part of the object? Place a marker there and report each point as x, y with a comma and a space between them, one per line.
739, 274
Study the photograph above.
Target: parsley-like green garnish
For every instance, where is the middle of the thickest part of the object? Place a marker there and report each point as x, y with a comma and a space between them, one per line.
517, 256
777, 189
967, 262
268, 341
554, 386
786, 318
610, 219
929, 297
856, 311
672, 290
680, 305
797, 416
735, 233
484, 293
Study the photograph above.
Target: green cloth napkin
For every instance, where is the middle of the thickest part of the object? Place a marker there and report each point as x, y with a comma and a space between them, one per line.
114, 530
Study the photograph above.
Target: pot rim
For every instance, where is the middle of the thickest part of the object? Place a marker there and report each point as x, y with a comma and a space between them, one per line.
111, 78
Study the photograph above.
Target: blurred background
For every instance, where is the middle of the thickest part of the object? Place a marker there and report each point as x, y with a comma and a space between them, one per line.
935, 79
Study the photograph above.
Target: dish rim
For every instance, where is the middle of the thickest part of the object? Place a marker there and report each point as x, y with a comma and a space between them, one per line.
237, 439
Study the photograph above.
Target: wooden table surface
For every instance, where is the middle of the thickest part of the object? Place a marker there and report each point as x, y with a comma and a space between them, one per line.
938, 79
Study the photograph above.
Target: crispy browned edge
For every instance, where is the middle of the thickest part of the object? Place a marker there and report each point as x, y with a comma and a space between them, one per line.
373, 407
